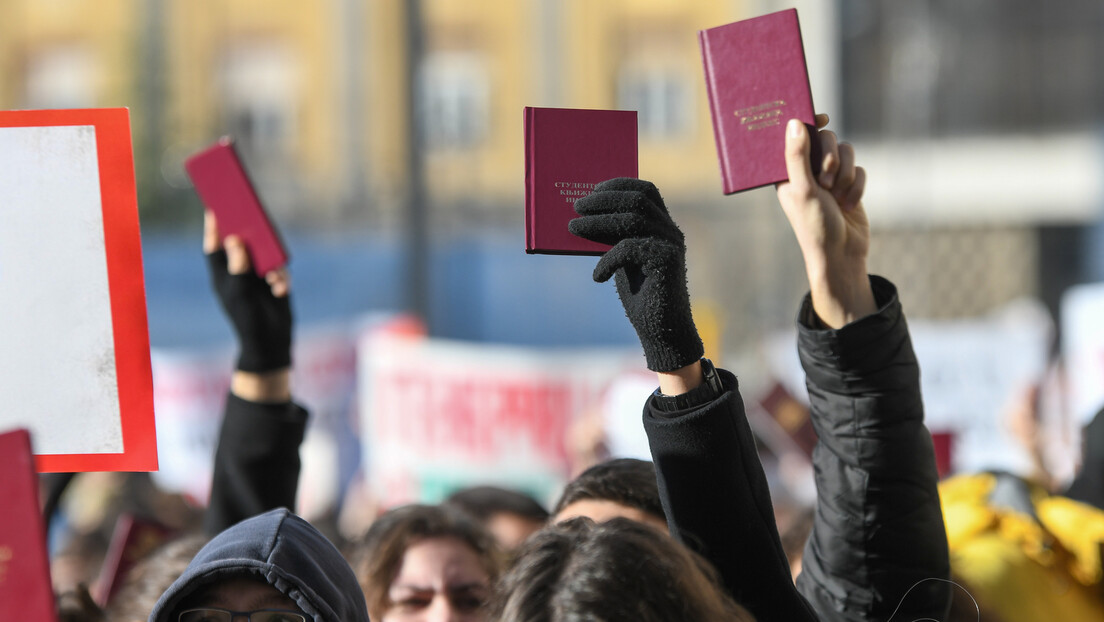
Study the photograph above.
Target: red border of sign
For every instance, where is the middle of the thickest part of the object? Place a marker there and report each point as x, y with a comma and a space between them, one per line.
123, 242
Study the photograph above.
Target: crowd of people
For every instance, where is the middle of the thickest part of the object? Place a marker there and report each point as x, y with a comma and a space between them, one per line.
688, 536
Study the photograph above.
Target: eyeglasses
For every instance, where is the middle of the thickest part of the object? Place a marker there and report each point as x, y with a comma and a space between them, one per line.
223, 615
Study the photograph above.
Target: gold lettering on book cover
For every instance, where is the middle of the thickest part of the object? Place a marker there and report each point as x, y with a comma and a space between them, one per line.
761, 116
573, 190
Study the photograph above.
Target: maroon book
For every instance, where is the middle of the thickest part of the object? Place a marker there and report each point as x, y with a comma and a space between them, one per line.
133, 539
756, 78
224, 187
25, 589
567, 153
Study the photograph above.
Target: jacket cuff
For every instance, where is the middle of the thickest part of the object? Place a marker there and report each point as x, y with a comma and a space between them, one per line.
661, 406
850, 346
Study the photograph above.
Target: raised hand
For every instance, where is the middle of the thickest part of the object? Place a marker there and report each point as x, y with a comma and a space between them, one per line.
828, 218
648, 261
259, 309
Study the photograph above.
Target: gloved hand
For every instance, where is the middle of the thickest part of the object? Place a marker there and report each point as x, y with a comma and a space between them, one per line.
259, 309
649, 260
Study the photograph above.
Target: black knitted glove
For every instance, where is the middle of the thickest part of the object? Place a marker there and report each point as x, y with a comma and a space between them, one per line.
649, 259
261, 321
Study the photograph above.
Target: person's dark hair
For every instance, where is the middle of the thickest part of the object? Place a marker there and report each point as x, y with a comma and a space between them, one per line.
151, 576
627, 481
483, 502
616, 571
377, 557
77, 605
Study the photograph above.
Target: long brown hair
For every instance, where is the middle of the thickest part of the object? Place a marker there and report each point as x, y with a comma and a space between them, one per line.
377, 557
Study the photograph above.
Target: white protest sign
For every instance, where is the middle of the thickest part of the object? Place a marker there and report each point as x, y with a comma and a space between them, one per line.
74, 348
191, 387
1083, 349
970, 371
439, 415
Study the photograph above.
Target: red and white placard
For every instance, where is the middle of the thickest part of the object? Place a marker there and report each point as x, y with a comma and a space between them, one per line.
74, 342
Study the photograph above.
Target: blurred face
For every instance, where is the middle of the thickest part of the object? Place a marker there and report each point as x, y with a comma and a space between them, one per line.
511, 530
240, 594
601, 510
439, 580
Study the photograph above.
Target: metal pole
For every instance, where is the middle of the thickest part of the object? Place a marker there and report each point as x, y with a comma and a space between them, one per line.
151, 90
351, 52
416, 217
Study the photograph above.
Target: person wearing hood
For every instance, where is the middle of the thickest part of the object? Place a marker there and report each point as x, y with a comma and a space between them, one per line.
274, 567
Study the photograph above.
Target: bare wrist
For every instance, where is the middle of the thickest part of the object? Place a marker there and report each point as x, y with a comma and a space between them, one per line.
270, 387
682, 380
842, 296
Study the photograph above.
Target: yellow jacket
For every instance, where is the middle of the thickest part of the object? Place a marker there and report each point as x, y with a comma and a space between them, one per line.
1025, 567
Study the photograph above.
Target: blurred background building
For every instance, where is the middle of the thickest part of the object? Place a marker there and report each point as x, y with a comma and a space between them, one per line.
386, 138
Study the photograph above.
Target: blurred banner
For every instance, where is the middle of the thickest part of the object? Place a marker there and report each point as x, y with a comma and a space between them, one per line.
1083, 349
972, 372
439, 415
190, 389
428, 415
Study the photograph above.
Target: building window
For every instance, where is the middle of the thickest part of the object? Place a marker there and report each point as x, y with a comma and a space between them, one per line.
259, 85
60, 78
454, 90
661, 97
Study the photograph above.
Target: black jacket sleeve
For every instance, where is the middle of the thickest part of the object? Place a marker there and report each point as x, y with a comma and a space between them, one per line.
1088, 486
256, 462
715, 495
878, 529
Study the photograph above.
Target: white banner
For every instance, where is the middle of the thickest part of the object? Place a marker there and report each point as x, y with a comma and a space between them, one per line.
1083, 349
190, 388
440, 415
971, 371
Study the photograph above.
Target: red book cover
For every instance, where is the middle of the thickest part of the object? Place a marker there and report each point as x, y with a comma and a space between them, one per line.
756, 78
132, 540
792, 416
224, 187
25, 589
567, 153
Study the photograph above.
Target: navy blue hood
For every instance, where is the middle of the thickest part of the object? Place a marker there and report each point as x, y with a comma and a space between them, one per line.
288, 553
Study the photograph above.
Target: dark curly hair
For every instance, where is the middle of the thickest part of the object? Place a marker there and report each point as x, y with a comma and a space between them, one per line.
626, 481
617, 571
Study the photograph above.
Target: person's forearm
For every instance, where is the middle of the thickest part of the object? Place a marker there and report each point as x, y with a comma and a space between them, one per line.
270, 387
840, 295
682, 380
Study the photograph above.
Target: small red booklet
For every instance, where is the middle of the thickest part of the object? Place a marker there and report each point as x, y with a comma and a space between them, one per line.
224, 187
756, 78
25, 589
567, 153
132, 540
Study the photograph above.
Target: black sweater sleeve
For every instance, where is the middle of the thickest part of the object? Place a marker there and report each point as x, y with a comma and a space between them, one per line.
878, 529
715, 495
256, 462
